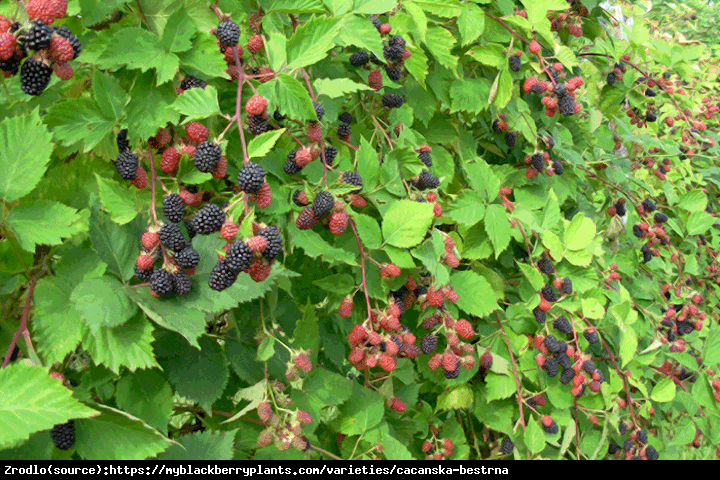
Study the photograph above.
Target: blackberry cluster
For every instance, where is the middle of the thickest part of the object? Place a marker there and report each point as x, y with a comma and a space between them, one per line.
208, 219
297, 200
427, 181
251, 177
63, 435
354, 179
611, 78
143, 275
591, 336
187, 258
35, 77
330, 154
162, 282
126, 164
173, 207
566, 286
540, 315
660, 217
323, 203
391, 100
549, 294
39, 36
228, 33
238, 257
192, 82
207, 156
359, 58
221, 277
274, 242
647, 254
558, 168
171, 237
515, 63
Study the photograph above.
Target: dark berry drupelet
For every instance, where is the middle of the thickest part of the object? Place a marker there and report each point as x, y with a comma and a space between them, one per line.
345, 117
649, 205
122, 141
375, 21
74, 41
11, 65
173, 207
278, 116
567, 375
545, 266
391, 100
209, 219
612, 448
566, 105
207, 156
127, 164
560, 89
354, 179
228, 33
563, 324
63, 435
190, 228
428, 343
187, 258
258, 124
323, 203
143, 275
660, 217
515, 63
274, 241
182, 283
540, 315
344, 129
319, 111
296, 198
425, 158
330, 154
507, 445
39, 36
552, 344
427, 181
375, 60
538, 162
291, 167
650, 117
591, 336
558, 167
359, 58
650, 93
454, 374
161, 282
35, 77
251, 177
642, 436
510, 139
221, 277
192, 82
171, 237
563, 360
397, 41
238, 257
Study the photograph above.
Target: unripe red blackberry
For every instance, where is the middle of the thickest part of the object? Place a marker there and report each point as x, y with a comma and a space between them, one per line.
307, 219
67, 34
196, 132
256, 105
346, 306
255, 44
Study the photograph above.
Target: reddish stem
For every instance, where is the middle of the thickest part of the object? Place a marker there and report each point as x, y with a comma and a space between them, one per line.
23, 323
512, 361
362, 265
152, 185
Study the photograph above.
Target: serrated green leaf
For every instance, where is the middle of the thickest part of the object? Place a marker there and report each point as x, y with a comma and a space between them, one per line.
475, 293
499, 386
78, 119
146, 395
468, 208
504, 89
127, 345
178, 31
208, 445
101, 302
471, 23
266, 349
664, 391
406, 222
338, 87
109, 95
534, 438
293, 98
440, 42
311, 41
579, 233
43, 222
628, 346
497, 225
368, 230
699, 222
117, 200
262, 144
373, 6
198, 103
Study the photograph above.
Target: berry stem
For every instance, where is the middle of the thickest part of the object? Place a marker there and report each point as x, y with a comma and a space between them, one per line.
385, 134
362, 265
142, 14
152, 185
325, 452
238, 98
23, 324
517, 379
307, 82
595, 176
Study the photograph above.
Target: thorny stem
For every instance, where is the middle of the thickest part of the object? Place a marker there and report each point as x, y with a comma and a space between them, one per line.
238, 98
512, 361
595, 176
23, 324
325, 452
152, 185
322, 149
307, 82
385, 134
362, 265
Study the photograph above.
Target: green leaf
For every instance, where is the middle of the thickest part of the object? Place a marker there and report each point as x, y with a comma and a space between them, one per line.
57, 327
592, 308
628, 346
712, 347
504, 89
43, 222
208, 445
440, 42
363, 413
116, 245
33, 401
499, 386
534, 438
143, 122
293, 98
146, 395
101, 302
471, 23
141, 50
694, 201
116, 435
368, 230
468, 208
198, 103
419, 17
338, 87
25, 147
266, 349
178, 31
109, 95
579, 233
664, 391
406, 222
456, 398
476, 297
359, 32
469, 94
203, 57
699, 222
497, 226
374, 6
262, 144
315, 246
311, 41
117, 200
367, 164
128, 345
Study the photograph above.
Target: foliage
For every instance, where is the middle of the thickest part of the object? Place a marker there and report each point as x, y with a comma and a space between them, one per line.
526, 270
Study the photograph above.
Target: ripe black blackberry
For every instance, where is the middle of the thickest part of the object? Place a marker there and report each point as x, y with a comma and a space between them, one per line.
122, 141
510, 139
228, 33
650, 117
563, 360
427, 181
207, 156
173, 207
627, 445
650, 93
637, 231
545, 266
425, 158
566, 286
257, 124
507, 446
540, 315
354, 179
589, 366
552, 429
187, 258
190, 229
651, 453
192, 82
391, 100
127, 164
143, 275
375, 21
359, 58
620, 209
538, 162
345, 117
496, 127
558, 168
420, 290
291, 167
63, 435
39, 36
647, 254
221, 277
591, 337
319, 111
552, 344
209, 219
515, 63
566, 105
330, 154
560, 89
375, 60
397, 41
549, 294
278, 116
612, 448
428, 343
171, 237
642, 436
567, 375
238, 257
393, 53
611, 78
296, 198
563, 324
454, 374
660, 217
274, 241
11, 65
251, 177
74, 41
537, 88
323, 203
35, 77
551, 367
344, 129
161, 282
181, 283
